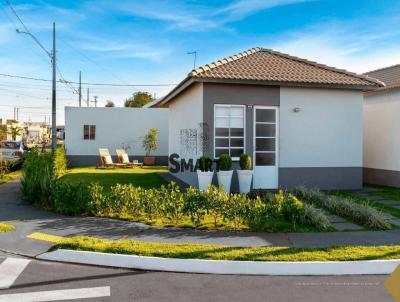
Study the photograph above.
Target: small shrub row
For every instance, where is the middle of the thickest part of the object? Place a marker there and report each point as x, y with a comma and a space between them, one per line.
345, 207
168, 202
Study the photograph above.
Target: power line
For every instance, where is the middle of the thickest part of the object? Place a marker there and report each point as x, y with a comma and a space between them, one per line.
87, 83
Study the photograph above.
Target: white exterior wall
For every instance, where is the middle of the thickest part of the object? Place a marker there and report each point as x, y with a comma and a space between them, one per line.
186, 112
115, 128
327, 132
382, 131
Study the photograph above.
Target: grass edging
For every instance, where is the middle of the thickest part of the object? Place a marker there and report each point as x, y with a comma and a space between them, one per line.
220, 252
4, 227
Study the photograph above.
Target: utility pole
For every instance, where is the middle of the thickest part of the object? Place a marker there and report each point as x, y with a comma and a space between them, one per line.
87, 99
17, 113
80, 89
53, 98
95, 101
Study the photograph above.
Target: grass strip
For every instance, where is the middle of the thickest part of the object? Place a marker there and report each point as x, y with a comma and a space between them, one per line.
220, 252
375, 204
9, 177
4, 227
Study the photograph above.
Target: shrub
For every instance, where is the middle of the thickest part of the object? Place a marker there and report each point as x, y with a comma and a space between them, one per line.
245, 162
205, 164
236, 209
216, 201
172, 202
71, 199
289, 206
195, 205
358, 213
40, 171
224, 162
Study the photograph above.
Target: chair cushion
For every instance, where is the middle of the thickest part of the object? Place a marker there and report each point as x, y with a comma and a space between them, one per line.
125, 158
107, 160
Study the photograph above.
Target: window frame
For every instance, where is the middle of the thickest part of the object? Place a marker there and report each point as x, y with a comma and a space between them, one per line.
91, 133
229, 137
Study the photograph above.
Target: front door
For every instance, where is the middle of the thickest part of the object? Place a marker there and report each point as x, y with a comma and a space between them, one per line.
266, 144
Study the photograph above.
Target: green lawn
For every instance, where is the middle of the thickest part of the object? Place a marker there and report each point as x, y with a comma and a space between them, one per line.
10, 176
145, 177
220, 252
4, 227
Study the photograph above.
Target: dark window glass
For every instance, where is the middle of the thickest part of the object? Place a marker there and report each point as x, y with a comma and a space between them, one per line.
265, 115
219, 152
222, 142
92, 132
221, 131
86, 132
265, 130
237, 142
236, 152
265, 159
265, 144
237, 132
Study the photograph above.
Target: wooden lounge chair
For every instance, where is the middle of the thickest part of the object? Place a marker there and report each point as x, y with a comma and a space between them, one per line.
123, 158
106, 160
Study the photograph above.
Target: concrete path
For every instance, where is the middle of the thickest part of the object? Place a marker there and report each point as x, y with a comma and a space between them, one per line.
28, 219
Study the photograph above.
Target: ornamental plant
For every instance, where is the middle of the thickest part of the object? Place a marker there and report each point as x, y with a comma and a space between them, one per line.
150, 141
224, 162
245, 162
205, 164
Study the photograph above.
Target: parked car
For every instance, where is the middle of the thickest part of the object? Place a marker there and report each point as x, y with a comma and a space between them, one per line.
11, 150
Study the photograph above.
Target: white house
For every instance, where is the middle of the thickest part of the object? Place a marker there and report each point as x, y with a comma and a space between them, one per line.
382, 129
88, 129
300, 121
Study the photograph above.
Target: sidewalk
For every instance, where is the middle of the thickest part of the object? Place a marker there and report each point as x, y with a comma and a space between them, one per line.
28, 219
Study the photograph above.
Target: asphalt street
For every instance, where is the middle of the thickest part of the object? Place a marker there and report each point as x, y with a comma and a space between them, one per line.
42, 281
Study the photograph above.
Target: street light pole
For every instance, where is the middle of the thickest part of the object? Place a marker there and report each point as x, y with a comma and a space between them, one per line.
53, 96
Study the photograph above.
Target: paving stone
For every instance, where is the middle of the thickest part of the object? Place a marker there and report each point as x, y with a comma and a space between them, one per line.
395, 221
374, 198
344, 226
389, 202
334, 218
370, 189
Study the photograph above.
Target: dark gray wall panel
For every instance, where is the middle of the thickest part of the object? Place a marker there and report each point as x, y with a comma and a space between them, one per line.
325, 178
382, 177
93, 160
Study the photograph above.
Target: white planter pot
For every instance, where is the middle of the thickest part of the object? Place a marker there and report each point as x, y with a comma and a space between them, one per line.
245, 177
225, 179
204, 179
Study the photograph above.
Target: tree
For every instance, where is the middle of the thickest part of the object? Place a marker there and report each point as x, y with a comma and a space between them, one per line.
110, 104
3, 132
138, 99
14, 131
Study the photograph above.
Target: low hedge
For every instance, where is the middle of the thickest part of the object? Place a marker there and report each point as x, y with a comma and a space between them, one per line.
362, 214
169, 203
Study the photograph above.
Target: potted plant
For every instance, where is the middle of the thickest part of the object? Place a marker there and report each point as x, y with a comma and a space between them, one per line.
245, 174
204, 172
224, 174
150, 144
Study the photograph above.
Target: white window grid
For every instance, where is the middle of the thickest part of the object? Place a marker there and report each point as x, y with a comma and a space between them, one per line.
229, 117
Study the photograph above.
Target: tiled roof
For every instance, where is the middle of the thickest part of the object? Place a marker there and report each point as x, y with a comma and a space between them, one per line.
268, 67
389, 75
260, 64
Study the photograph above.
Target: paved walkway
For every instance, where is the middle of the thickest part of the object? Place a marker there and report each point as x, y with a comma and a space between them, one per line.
28, 219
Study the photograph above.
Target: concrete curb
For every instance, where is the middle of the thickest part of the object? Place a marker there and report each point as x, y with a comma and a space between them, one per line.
224, 267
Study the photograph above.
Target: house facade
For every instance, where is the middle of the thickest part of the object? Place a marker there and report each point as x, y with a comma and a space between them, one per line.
299, 120
382, 128
89, 128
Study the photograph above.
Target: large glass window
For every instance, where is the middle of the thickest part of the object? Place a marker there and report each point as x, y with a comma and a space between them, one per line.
229, 121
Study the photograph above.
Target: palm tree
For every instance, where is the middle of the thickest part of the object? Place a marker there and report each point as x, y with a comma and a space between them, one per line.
15, 131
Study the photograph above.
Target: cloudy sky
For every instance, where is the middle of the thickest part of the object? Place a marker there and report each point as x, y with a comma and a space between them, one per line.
146, 42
